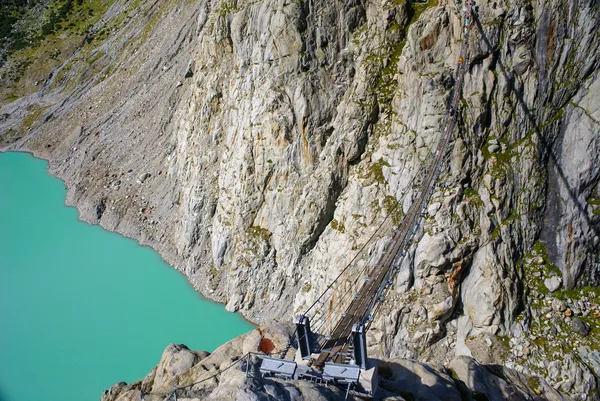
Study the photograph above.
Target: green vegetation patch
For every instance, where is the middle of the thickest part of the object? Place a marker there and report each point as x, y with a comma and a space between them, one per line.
416, 9
392, 207
227, 8
595, 204
35, 111
385, 60
11, 11
46, 34
338, 226
533, 272
587, 291
258, 232
374, 172
540, 249
472, 196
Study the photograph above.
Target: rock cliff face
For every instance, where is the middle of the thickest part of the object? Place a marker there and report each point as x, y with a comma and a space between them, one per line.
258, 145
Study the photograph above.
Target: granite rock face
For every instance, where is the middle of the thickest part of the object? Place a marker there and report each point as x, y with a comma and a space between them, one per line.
258, 145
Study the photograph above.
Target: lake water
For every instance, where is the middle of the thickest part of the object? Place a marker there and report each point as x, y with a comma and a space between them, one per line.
82, 308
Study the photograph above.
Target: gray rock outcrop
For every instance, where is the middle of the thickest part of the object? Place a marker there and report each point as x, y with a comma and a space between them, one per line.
553, 283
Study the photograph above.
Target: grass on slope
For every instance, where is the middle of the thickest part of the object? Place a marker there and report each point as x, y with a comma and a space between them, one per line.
40, 37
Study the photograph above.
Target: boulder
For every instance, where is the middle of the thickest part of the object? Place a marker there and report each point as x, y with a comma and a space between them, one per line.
114, 392
481, 290
143, 177
553, 283
558, 305
175, 359
131, 395
441, 310
579, 327
431, 253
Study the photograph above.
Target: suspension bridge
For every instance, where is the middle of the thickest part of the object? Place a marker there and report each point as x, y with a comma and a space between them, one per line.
331, 333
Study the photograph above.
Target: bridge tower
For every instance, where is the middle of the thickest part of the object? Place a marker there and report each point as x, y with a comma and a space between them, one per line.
304, 336
359, 341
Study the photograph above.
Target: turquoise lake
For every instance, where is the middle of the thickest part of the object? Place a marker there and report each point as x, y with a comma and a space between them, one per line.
82, 308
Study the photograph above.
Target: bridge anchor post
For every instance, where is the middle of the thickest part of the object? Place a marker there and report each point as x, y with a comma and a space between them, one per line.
360, 344
304, 336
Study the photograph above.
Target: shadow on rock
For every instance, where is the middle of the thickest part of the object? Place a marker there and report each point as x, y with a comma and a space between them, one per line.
415, 381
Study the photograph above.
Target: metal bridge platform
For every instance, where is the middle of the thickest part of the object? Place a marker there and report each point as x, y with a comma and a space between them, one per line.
349, 377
